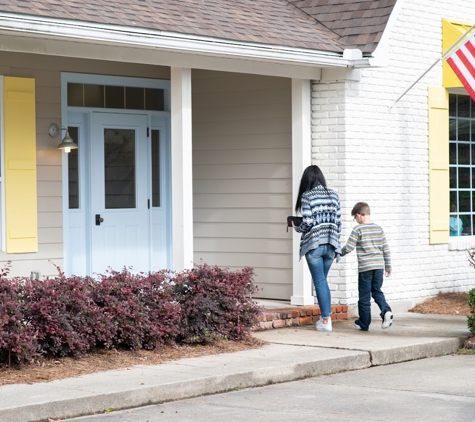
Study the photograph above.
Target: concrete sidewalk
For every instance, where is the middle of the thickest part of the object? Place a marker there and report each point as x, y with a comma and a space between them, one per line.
291, 353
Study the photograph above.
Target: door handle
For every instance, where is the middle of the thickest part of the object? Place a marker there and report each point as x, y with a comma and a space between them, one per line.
99, 219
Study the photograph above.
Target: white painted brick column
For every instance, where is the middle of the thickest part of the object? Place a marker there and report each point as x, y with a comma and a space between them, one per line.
332, 97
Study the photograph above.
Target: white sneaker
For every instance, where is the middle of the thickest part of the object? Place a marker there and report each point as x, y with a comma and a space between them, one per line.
387, 320
326, 328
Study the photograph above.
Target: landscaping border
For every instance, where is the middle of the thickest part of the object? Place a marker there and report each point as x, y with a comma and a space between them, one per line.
298, 315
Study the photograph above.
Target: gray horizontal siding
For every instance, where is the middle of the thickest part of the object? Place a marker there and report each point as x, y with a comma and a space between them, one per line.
242, 168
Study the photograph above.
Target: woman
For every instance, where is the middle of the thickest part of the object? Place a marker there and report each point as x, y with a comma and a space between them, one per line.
320, 241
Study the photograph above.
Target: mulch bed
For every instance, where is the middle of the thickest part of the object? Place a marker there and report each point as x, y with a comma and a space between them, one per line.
444, 304
45, 370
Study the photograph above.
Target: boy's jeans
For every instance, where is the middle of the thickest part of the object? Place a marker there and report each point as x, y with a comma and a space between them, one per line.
319, 261
369, 284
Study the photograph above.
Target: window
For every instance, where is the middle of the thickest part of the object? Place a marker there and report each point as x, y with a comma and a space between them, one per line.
462, 165
120, 97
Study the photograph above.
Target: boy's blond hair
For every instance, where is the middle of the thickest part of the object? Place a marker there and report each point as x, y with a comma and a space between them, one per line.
361, 208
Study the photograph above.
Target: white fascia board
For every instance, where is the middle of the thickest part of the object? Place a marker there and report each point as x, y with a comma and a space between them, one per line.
70, 48
2, 175
169, 41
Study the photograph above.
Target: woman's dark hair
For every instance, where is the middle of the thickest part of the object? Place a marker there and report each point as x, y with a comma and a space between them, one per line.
311, 177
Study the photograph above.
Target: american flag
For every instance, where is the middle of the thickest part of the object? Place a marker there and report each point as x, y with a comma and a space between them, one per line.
462, 61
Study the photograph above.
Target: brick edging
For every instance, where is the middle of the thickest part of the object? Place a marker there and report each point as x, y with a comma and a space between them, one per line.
296, 315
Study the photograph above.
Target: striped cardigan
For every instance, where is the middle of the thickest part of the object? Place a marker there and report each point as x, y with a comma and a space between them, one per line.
321, 224
371, 247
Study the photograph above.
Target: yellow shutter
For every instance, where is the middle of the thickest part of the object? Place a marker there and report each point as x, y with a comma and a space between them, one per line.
438, 165
451, 32
21, 217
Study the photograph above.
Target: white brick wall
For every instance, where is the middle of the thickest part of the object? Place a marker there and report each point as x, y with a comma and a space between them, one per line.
370, 153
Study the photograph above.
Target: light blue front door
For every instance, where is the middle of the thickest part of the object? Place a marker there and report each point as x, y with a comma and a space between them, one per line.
120, 201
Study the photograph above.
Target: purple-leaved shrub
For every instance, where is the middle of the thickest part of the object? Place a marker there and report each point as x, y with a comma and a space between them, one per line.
64, 315
18, 341
140, 306
71, 316
216, 303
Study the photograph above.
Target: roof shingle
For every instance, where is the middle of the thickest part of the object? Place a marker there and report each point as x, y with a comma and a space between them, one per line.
326, 25
360, 23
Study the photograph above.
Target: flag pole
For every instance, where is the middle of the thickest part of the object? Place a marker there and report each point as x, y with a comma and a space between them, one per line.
445, 53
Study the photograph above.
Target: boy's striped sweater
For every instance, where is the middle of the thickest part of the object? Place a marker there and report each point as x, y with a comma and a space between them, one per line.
371, 247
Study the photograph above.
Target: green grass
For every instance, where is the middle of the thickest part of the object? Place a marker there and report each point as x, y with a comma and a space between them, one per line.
465, 352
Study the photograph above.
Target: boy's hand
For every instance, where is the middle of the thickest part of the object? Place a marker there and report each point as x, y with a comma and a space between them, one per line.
388, 273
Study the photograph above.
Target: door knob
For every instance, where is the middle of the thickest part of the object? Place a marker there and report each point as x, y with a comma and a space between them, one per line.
99, 219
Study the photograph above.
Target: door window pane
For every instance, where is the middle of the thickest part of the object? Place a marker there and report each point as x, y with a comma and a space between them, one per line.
120, 97
134, 98
115, 97
94, 96
75, 95
154, 99
119, 168
73, 170
155, 168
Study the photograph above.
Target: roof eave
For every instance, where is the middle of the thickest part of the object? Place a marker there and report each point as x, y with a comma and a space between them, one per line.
162, 40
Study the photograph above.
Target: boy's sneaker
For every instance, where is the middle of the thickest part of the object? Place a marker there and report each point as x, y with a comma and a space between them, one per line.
326, 328
387, 320
357, 325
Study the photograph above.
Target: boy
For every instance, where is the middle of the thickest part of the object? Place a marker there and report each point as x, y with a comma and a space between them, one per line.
373, 260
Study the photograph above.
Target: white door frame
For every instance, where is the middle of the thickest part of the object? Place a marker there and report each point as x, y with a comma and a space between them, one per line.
75, 221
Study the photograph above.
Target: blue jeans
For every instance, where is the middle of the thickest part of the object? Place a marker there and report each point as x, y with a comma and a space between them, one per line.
319, 261
369, 284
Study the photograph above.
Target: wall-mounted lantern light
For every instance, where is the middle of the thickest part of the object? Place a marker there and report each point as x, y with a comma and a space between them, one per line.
67, 144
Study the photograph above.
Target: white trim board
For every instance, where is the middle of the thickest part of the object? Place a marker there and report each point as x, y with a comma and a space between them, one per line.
2, 175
